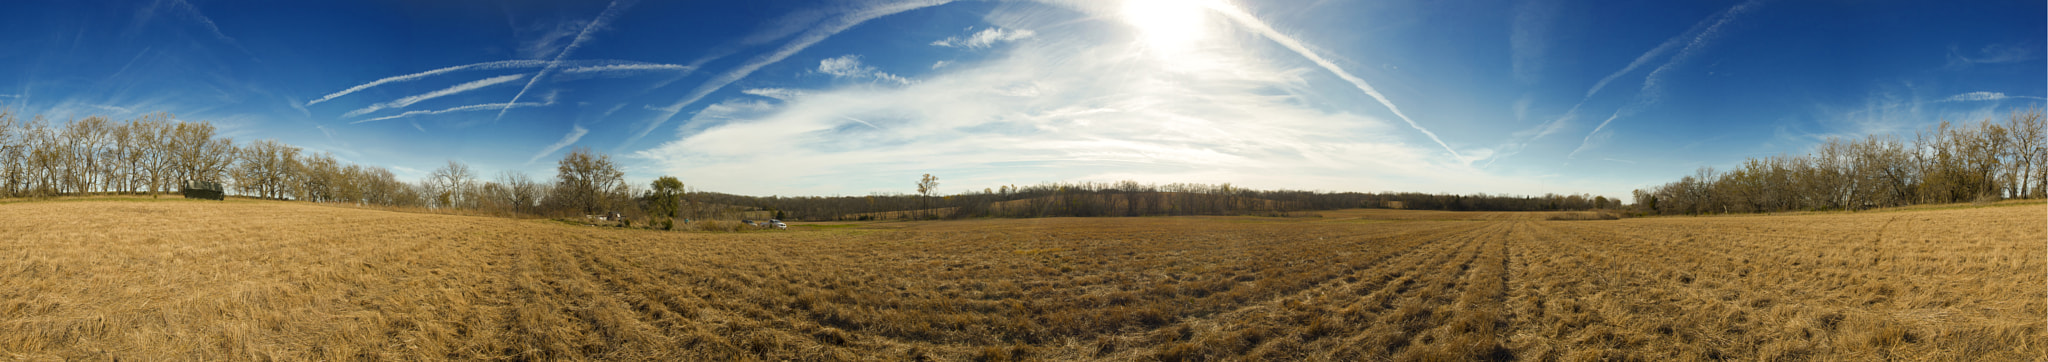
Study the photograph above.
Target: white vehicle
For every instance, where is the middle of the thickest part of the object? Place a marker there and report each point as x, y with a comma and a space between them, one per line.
771, 223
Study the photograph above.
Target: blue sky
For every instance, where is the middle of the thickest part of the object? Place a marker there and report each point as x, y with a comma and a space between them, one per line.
860, 96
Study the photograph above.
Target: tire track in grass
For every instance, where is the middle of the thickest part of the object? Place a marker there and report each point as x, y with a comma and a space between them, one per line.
1641, 311
1281, 326
1843, 319
1573, 306
1837, 287
1474, 322
1396, 313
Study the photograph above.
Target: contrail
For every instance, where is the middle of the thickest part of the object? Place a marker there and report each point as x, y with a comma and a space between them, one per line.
502, 64
1556, 125
473, 107
610, 12
870, 125
802, 41
1651, 81
459, 88
1247, 20
628, 67
575, 133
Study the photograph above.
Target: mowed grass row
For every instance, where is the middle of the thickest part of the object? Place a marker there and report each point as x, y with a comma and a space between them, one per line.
1947, 285
277, 280
255, 280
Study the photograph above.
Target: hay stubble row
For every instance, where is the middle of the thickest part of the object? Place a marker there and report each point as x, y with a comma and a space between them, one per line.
274, 280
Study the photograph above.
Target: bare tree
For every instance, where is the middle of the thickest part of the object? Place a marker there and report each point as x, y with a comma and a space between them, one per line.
453, 185
11, 145
925, 187
2025, 148
523, 193
265, 170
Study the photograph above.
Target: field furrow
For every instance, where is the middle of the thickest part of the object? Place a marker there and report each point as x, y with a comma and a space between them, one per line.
331, 283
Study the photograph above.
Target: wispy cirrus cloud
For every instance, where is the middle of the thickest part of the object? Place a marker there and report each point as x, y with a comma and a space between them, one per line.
1653, 82
1528, 38
468, 108
185, 10
1694, 35
1989, 54
985, 38
610, 12
589, 65
804, 40
777, 93
1985, 97
1062, 111
117, 110
459, 88
576, 133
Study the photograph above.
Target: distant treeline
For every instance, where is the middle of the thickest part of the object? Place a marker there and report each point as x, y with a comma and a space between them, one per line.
156, 154
1945, 163
1130, 198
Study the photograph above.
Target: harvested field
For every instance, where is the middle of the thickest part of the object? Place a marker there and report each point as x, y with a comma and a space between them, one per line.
277, 280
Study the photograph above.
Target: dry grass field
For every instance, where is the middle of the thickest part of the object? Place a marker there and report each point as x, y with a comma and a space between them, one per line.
254, 280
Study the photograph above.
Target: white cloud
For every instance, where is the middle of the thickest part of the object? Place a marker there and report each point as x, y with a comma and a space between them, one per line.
941, 64
1896, 109
985, 38
843, 66
804, 40
1247, 20
575, 133
1989, 54
1985, 96
1063, 111
1976, 96
117, 110
459, 88
777, 93
849, 66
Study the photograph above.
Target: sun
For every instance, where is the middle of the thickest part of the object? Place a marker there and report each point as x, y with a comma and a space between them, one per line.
1168, 26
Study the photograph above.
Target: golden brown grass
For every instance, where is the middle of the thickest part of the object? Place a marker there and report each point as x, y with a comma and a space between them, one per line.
103, 279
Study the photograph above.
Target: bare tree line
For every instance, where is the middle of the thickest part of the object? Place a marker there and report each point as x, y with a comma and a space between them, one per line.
156, 154
1945, 163
1127, 198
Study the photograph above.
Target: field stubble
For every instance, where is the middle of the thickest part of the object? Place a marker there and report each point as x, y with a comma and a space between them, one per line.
273, 280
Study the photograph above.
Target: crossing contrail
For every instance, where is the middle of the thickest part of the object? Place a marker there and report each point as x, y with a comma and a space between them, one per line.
610, 12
